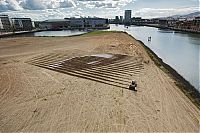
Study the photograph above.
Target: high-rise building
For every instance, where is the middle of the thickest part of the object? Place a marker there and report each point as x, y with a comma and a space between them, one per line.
5, 24
121, 18
127, 16
116, 17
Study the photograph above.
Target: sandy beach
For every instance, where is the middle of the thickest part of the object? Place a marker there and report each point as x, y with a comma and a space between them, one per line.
80, 84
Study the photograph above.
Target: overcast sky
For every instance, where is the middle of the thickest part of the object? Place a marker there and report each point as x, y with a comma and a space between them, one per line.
50, 9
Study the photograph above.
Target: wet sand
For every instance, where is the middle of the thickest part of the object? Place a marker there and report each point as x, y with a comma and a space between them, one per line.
37, 94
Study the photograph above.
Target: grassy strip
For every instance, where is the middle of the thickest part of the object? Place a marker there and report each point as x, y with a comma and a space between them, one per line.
99, 32
189, 90
92, 33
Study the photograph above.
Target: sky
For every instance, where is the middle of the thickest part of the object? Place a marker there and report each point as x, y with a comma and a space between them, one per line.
58, 9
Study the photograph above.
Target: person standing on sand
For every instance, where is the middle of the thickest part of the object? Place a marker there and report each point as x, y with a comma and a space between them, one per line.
133, 86
149, 39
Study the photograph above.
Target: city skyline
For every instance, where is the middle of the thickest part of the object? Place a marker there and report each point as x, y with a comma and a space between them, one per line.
51, 9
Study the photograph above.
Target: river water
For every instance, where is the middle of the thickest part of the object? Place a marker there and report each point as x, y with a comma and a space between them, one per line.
179, 50
59, 33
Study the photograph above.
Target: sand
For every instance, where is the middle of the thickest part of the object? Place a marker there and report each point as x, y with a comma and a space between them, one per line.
37, 98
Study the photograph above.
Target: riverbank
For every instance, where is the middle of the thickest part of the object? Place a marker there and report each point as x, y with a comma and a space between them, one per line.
45, 96
170, 28
189, 90
15, 34
27, 33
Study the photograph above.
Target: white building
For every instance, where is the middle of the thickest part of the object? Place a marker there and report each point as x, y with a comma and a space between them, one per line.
82, 23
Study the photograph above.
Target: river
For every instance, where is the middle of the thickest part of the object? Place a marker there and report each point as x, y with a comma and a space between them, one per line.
59, 33
179, 50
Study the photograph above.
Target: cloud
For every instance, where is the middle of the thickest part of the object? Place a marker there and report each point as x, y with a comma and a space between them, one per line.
105, 3
67, 3
47, 4
49, 9
34, 4
16, 5
41, 15
9, 5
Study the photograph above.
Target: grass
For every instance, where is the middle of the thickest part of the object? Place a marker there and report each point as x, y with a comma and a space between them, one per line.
99, 32
92, 33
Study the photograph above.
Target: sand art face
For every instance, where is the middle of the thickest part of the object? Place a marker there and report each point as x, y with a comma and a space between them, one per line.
112, 69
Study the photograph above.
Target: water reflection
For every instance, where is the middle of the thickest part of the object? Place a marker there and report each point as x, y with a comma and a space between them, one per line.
59, 33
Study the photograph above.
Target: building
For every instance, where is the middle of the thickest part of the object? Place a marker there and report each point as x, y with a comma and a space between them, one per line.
5, 24
196, 24
121, 19
53, 24
189, 25
96, 23
137, 20
163, 23
72, 23
22, 24
127, 17
171, 22
76, 22
82, 23
33, 24
116, 20
111, 21
154, 21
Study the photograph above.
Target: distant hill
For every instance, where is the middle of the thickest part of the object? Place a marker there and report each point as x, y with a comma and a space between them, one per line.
191, 15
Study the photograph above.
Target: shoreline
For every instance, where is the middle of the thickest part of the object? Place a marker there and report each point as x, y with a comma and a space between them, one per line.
171, 28
16, 34
185, 86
